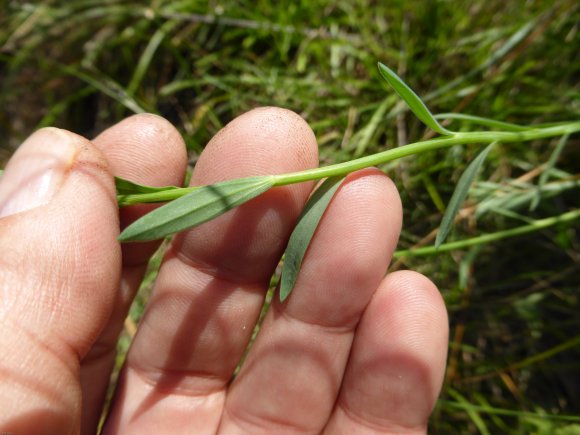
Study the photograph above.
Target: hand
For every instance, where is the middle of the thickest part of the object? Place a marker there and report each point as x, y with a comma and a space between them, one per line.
349, 352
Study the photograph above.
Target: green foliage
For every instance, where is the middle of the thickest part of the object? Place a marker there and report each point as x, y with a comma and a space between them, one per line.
303, 232
196, 207
459, 195
412, 100
126, 187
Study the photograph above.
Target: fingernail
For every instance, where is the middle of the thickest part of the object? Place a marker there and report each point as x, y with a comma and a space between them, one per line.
36, 171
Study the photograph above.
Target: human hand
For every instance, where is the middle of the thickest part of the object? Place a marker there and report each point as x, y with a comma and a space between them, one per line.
349, 352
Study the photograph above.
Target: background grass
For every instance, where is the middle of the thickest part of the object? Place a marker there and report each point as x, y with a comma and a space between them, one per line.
515, 329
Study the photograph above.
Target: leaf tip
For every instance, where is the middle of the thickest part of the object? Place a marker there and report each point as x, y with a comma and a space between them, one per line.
439, 239
124, 237
284, 295
413, 101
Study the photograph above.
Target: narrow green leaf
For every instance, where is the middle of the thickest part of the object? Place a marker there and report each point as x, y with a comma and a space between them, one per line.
414, 102
471, 411
146, 58
197, 207
129, 193
505, 126
548, 169
107, 86
303, 232
459, 195
126, 187
533, 226
509, 412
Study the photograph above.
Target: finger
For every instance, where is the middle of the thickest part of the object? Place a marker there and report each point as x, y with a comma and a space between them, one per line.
297, 361
59, 270
211, 286
397, 362
148, 150
145, 149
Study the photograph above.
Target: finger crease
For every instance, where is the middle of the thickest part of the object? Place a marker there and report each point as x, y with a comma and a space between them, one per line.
250, 423
326, 328
389, 426
218, 273
170, 381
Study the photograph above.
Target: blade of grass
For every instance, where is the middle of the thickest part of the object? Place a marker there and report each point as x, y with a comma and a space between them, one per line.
363, 137
63, 105
515, 199
303, 232
507, 412
472, 412
197, 207
479, 120
147, 56
107, 87
433, 192
546, 172
460, 194
414, 102
573, 342
512, 42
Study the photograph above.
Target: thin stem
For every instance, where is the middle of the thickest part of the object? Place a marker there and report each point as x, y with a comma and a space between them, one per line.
491, 237
161, 196
509, 412
342, 169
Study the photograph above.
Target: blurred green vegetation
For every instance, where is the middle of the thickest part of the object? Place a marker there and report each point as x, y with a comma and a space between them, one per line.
515, 330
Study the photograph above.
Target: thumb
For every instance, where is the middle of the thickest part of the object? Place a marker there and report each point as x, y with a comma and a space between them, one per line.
59, 269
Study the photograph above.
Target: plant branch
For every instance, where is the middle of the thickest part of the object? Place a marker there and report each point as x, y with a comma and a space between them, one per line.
454, 139
342, 169
491, 237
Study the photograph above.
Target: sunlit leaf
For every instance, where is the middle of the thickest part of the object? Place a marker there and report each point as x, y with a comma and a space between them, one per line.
197, 207
412, 99
303, 232
460, 194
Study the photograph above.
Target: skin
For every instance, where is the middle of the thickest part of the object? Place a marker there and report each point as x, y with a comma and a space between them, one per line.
351, 351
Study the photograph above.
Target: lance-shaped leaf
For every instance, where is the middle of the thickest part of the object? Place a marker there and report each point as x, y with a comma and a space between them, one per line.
129, 193
460, 194
303, 232
126, 187
415, 103
197, 207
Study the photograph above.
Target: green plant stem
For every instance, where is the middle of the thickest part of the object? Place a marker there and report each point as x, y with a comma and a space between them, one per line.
162, 196
492, 237
342, 169
508, 412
